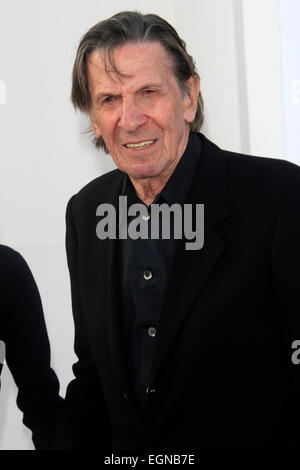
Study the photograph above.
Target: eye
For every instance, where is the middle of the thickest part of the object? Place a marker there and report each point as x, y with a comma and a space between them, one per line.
148, 92
108, 99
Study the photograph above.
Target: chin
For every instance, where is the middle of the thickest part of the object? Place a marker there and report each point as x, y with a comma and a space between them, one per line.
145, 171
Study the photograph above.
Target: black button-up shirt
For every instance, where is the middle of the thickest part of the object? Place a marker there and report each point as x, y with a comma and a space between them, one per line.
144, 270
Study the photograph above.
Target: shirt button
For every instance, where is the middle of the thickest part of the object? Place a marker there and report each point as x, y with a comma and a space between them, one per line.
147, 275
152, 331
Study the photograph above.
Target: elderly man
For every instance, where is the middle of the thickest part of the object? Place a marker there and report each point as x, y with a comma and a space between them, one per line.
177, 348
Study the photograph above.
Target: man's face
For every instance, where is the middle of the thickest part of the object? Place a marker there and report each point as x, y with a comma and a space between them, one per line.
141, 115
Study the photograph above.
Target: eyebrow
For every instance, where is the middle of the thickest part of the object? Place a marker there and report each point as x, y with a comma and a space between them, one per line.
104, 94
150, 85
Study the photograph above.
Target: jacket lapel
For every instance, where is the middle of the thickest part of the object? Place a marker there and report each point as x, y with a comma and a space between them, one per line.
107, 262
108, 268
190, 269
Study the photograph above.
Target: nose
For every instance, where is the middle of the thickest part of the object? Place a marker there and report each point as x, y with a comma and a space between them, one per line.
132, 116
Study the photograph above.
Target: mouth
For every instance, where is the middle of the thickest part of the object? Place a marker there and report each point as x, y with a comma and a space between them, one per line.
140, 145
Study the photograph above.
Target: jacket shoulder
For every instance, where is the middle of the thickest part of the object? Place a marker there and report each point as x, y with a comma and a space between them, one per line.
268, 181
245, 164
10, 259
14, 270
274, 166
270, 176
103, 186
100, 190
244, 169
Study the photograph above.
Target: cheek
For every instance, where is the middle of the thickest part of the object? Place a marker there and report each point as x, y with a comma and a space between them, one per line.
174, 131
106, 126
172, 119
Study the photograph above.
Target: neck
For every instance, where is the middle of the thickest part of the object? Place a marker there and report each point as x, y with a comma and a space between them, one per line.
147, 190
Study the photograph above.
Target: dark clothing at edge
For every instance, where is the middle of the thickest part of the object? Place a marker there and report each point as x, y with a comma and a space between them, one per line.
23, 330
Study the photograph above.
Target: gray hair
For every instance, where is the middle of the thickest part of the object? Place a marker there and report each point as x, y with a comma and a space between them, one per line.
134, 27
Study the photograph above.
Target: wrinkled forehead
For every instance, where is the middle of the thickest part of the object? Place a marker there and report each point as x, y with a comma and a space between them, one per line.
103, 64
129, 60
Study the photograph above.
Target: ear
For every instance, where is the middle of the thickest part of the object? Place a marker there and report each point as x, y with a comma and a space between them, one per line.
94, 124
190, 101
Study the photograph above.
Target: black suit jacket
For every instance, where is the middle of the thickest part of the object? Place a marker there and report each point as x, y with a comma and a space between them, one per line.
23, 330
222, 375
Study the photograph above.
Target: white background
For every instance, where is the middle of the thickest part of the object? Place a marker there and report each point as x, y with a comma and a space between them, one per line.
239, 47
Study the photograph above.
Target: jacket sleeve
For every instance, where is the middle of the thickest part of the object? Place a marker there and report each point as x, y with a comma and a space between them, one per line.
286, 285
85, 423
28, 352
